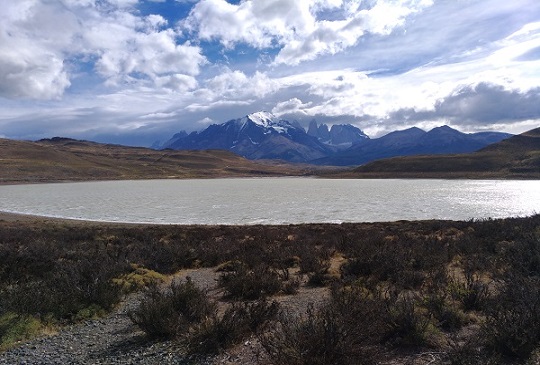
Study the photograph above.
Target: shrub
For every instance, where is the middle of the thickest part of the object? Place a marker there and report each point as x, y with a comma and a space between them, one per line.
513, 323
139, 278
316, 269
67, 289
241, 282
472, 293
407, 325
167, 312
346, 330
238, 322
448, 317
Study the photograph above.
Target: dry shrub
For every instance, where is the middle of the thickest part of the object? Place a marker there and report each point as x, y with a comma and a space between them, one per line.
241, 282
346, 330
168, 312
513, 322
237, 323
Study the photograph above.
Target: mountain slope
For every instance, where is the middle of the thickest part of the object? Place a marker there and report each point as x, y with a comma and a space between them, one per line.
256, 136
67, 159
515, 157
412, 141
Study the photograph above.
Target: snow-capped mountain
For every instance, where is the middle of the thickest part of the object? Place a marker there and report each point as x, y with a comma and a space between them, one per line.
256, 136
263, 136
339, 136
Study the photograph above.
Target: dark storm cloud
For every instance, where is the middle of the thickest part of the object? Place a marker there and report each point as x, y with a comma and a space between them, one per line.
482, 104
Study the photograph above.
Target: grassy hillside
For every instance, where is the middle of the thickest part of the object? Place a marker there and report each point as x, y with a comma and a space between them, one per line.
66, 159
516, 157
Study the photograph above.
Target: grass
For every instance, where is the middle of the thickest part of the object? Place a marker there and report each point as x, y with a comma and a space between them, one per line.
16, 327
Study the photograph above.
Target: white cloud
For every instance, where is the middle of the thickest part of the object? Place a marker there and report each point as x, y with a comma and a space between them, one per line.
294, 26
291, 106
40, 39
176, 82
236, 85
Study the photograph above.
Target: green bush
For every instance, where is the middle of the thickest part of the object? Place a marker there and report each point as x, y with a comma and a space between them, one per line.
472, 292
138, 278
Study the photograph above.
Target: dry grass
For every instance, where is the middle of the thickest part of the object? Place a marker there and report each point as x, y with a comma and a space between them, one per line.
65, 159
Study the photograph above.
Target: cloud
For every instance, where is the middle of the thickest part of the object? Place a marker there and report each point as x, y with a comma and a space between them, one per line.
295, 27
237, 85
148, 69
290, 106
481, 104
45, 43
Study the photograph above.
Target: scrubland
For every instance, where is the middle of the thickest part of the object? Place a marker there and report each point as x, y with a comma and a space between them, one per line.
453, 292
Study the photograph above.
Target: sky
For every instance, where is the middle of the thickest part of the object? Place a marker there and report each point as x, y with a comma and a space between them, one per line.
137, 71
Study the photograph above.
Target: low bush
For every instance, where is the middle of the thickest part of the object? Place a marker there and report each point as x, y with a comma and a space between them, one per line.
471, 292
316, 267
71, 287
513, 321
168, 312
449, 318
346, 330
241, 282
238, 322
138, 278
407, 324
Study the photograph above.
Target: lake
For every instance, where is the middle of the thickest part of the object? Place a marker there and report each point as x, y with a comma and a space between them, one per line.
274, 200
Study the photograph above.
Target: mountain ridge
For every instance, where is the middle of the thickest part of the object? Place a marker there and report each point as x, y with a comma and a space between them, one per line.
261, 135
256, 136
514, 157
413, 141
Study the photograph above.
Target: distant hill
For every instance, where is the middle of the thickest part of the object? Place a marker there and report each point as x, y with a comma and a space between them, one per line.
59, 159
515, 157
412, 141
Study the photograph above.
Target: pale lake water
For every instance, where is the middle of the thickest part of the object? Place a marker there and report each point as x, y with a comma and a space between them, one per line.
274, 200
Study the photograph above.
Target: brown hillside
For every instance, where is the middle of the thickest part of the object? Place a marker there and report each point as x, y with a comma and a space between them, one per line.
61, 159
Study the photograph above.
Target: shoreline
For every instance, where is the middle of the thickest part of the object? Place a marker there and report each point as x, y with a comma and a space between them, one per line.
9, 217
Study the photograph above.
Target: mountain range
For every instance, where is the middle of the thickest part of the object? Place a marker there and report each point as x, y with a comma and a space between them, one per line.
263, 136
60, 159
515, 157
